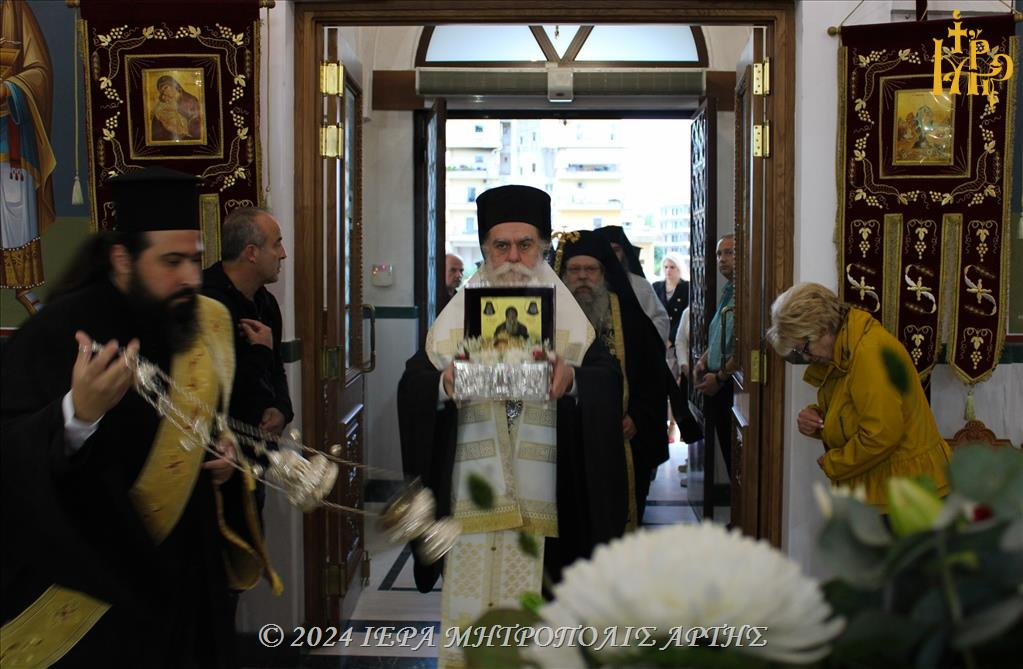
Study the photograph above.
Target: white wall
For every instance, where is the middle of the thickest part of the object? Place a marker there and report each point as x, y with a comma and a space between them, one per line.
998, 402
388, 236
283, 522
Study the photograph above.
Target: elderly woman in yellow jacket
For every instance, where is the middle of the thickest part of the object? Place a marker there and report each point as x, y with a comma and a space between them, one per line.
871, 431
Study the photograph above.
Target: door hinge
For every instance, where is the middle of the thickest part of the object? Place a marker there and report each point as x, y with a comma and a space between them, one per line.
332, 78
330, 362
762, 140
335, 583
762, 77
366, 562
758, 366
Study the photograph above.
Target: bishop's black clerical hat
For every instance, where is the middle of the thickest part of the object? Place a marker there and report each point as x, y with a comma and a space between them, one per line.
155, 198
514, 204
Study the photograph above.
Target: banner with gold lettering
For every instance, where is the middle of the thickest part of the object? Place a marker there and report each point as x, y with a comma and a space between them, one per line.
174, 84
924, 184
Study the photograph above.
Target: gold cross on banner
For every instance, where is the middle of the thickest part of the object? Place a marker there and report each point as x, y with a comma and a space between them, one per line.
918, 287
978, 289
862, 286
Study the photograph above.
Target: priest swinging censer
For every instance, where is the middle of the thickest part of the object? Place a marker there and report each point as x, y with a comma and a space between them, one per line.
305, 481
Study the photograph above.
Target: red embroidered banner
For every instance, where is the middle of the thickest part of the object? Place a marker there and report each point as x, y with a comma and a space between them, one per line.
924, 182
174, 84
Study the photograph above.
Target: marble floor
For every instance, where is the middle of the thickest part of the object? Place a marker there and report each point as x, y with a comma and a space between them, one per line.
391, 601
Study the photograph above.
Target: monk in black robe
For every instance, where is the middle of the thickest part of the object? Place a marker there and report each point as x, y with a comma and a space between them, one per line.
600, 283
111, 527
591, 488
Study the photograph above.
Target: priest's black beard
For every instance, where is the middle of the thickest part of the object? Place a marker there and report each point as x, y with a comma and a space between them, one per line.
595, 304
177, 321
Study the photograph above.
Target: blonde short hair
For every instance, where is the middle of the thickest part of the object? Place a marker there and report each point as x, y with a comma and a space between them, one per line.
804, 312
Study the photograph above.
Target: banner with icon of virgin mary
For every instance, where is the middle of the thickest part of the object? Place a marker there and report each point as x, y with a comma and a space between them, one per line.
174, 84
924, 183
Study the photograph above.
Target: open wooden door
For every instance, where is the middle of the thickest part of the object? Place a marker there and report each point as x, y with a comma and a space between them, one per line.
752, 292
330, 318
702, 292
431, 182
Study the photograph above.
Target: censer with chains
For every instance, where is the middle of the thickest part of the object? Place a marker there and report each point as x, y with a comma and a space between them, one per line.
409, 517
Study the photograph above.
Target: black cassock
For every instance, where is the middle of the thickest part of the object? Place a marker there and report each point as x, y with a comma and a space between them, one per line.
68, 520
592, 483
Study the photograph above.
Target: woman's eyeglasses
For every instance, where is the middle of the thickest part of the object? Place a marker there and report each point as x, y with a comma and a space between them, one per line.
798, 355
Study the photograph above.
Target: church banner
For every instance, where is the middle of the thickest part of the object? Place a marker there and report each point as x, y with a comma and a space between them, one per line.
924, 167
176, 85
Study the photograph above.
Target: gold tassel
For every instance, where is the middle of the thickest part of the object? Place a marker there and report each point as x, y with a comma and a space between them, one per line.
76, 192
267, 202
971, 409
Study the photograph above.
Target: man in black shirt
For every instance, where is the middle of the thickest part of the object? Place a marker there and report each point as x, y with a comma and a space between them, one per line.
252, 253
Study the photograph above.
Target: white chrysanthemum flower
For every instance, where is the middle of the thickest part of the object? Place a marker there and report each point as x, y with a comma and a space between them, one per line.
693, 576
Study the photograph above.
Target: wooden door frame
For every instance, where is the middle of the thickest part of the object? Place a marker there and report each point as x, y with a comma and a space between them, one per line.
778, 16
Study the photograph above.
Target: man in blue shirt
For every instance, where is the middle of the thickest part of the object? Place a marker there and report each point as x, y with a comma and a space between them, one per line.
713, 373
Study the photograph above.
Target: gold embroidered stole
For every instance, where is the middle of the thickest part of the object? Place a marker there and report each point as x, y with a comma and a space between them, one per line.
48, 628
615, 342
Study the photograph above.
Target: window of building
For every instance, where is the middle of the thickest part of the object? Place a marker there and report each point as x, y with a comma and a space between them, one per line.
677, 45
472, 194
470, 225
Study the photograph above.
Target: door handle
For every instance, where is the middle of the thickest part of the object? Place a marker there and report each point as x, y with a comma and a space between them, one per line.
368, 310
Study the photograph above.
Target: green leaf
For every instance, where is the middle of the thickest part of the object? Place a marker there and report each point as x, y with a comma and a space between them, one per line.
878, 639
864, 521
932, 649
992, 477
989, 623
480, 492
494, 655
858, 563
529, 545
1012, 538
908, 552
531, 601
898, 373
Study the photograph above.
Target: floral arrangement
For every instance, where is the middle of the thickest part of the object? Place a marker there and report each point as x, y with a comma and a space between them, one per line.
503, 349
938, 585
943, 587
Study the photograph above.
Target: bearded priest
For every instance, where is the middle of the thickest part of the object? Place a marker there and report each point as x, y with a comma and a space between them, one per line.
121, 539
573, 497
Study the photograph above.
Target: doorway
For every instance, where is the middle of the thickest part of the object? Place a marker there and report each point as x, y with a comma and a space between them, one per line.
773, 222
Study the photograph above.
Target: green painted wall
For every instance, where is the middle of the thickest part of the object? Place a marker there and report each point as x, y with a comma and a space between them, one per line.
59, 244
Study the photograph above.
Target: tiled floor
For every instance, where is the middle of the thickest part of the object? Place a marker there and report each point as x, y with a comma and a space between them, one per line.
392, 600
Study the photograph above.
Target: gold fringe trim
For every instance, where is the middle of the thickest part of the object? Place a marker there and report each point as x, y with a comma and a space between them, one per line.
630, 467
23, 266
839, 234
892, 272
951, 237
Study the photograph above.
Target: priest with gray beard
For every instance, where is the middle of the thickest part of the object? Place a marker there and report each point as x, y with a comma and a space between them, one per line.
601, 286
556, 468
